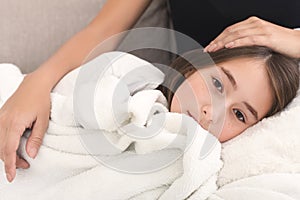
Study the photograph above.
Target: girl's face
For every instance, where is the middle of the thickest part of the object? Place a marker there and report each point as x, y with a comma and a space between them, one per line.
226, 99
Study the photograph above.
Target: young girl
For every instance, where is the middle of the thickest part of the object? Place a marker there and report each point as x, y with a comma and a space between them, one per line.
240, 88
226, 94
246, 85
30, 108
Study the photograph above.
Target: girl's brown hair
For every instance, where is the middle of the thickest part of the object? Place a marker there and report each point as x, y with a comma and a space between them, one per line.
282, 70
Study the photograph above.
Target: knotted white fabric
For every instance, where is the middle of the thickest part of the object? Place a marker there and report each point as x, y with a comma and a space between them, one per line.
134, 149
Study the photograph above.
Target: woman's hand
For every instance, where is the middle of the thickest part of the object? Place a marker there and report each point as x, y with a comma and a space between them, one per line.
28, 107
255, 31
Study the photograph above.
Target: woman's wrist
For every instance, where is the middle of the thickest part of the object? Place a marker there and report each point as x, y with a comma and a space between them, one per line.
297, 40
45, 76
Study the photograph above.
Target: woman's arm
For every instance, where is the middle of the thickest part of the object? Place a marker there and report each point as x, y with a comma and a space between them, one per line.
255, 31
29, 106
115, 16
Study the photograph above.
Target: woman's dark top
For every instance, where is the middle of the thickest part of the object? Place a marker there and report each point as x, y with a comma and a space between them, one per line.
203, 20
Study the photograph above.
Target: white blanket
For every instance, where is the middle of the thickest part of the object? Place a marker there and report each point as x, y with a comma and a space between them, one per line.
133, 168
273, 186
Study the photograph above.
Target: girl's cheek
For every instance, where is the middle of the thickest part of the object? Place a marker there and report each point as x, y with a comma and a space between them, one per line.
230, 130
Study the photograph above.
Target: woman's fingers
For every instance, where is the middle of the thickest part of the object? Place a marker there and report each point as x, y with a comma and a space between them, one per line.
250, 40
233, 29
253, 36
28, 107
243, 33
261, 33
21, 163
251, 30
9, 152
250, 22
36, 137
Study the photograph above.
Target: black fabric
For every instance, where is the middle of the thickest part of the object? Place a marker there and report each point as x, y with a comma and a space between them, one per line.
203, 20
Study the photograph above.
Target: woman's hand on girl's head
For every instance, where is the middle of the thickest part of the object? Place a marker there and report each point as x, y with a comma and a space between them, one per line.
255, 31
28, 107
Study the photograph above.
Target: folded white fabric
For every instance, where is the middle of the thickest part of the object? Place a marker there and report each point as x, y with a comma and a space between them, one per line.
10, 79
97, 149
277, 186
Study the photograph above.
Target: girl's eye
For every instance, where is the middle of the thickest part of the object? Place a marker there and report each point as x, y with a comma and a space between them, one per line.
239, 115
218, 84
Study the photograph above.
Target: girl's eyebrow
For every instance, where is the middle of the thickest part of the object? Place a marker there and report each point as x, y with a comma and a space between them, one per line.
234, 85
251, 109
230, 77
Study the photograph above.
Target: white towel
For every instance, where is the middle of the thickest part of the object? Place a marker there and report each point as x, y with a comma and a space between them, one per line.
180, 161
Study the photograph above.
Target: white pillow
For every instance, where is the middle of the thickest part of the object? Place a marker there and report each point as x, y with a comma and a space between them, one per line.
271, 146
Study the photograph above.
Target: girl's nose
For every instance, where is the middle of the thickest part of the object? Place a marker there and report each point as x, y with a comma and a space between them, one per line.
206, 112
206, 116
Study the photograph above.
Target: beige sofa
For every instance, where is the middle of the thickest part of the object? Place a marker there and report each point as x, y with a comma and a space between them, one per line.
32, 30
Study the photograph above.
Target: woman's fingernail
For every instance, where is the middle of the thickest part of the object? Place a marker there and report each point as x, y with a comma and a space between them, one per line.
208, 48
8, 177
32, 152
23, 165
212, 47
230, 44
26, 165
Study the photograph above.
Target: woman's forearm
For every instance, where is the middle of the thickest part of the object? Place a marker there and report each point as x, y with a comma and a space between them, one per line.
115, 16
29, 106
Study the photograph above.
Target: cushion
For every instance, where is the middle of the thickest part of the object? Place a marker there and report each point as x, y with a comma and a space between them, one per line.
32, 30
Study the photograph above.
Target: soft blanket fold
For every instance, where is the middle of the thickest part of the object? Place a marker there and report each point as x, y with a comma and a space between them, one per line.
271, 186
105, 158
